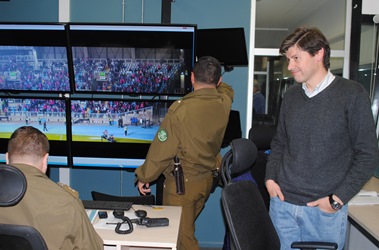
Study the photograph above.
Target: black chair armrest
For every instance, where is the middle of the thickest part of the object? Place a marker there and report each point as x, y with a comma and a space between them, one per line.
314, 245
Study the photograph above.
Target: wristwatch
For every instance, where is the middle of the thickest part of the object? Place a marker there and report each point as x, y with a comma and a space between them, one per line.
333, 203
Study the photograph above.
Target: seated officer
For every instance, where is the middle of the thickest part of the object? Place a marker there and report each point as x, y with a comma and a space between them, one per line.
55, 210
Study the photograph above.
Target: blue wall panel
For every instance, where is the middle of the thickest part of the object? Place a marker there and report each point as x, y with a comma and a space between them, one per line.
29, 11
112, 181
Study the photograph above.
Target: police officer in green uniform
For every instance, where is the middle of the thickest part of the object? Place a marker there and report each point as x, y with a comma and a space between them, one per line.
55, 210
193, 130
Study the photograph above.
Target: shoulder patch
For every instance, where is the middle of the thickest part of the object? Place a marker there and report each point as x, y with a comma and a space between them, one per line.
162, 135
69, 190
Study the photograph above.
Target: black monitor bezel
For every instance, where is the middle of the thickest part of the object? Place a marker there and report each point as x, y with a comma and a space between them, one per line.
217, 42
37, 34
102, 38
57, 148
124, 150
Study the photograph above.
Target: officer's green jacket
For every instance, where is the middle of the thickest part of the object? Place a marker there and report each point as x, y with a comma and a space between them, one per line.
193, 129
55, 211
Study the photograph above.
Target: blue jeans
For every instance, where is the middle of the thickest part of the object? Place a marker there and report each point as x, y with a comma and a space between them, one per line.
302, 223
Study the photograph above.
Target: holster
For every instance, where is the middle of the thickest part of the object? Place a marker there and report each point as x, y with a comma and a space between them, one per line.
216, 179
179, 177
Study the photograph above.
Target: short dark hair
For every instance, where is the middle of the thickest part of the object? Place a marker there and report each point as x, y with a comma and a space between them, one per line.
27, 140
309, 39
207, 70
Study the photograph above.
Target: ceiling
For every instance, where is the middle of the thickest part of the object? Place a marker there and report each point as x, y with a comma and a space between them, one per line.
275, 19
284, 14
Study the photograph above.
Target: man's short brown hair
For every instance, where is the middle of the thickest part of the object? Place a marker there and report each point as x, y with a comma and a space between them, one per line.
28, 141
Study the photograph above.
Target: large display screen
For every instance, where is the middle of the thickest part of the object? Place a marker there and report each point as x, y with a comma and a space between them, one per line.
34, 58
143, 59
115, 128
46, 114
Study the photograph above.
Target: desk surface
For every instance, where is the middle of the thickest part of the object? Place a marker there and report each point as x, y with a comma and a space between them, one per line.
142, 236
367, 216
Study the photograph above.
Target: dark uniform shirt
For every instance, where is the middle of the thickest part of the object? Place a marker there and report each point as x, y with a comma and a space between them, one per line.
193, 129
55, 211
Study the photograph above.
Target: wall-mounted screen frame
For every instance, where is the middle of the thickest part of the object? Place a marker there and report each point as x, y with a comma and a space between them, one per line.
114, 128
34, 58
132, 59
47, 114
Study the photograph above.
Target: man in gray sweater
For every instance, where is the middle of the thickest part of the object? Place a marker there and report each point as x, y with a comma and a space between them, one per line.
325, 148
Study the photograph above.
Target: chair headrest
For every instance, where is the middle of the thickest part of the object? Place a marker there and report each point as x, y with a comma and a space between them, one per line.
244, 155
262, 136
12, 185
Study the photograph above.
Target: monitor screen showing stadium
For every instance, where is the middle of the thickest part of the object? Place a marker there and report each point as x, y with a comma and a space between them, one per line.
142, 59
33, 58
115, 128
46, 114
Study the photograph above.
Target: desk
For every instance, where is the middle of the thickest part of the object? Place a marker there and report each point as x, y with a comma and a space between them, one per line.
364, 222
144, 237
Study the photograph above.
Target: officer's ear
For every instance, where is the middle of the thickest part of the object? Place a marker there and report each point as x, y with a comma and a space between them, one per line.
192, 78
219, 81
6, 158
44, 163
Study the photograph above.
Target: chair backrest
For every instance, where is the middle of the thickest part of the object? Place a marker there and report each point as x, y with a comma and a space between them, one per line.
262, 137
142, 200
248, 221
20, 237
238, 159
13, 186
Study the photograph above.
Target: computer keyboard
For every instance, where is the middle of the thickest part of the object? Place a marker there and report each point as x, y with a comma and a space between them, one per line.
107, 205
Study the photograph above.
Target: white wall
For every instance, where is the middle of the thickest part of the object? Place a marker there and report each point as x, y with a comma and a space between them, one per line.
370, 7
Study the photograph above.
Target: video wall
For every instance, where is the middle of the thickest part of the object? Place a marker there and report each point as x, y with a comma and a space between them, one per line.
98, 91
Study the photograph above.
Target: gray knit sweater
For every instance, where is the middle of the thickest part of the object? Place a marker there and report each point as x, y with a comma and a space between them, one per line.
325, 144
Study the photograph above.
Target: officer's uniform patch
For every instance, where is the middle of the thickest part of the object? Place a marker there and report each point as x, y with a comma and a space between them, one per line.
162, 135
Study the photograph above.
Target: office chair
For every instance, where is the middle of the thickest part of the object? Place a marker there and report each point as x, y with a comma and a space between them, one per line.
142, 200
248, 220
262, 136
13, 186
